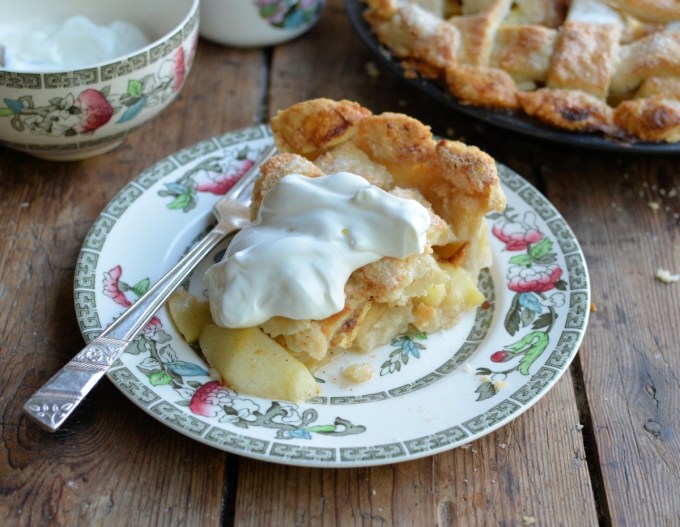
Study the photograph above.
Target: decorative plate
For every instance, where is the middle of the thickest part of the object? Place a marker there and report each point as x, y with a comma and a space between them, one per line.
430, 393
508, 120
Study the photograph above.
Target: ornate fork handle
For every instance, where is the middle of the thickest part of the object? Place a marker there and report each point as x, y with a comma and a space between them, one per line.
51, 405
54, 402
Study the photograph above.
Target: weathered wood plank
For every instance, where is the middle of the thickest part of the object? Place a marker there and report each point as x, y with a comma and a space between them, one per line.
500, 479
111, 464
516, 472
630, 371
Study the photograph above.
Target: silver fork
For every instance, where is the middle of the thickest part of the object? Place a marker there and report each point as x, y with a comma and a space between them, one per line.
56, 400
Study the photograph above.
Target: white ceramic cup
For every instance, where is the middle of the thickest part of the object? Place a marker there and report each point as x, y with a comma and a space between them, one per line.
257, 23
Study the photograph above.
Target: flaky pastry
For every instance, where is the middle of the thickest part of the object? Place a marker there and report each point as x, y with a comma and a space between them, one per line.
458, 185
580, 65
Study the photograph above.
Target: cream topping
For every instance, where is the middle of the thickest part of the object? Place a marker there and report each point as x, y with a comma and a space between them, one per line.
308, 238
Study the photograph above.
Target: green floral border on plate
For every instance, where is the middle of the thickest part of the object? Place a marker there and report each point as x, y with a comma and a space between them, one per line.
511, 403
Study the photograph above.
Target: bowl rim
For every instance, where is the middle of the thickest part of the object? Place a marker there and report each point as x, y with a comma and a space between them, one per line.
193, 11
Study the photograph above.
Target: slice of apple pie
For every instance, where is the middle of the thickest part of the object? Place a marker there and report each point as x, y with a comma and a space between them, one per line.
455, 185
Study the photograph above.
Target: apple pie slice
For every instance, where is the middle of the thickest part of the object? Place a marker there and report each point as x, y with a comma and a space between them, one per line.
456, 184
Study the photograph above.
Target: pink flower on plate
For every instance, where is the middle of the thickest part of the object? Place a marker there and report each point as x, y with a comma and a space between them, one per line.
96, 111
517, 235
209, 399
112, 286
152, 326
221, 185
535, 279
180, 69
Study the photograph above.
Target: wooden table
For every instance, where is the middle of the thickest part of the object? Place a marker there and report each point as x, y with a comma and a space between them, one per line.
113, 465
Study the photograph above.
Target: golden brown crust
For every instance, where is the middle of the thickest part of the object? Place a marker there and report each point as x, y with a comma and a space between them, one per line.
457, 183
312, 127
469, 169
381, 8
274, 169
400, 144
655, 55
608, 49
524, 51
394, 140
651, 119
668, 87
571, 110
476, 35
412, 32
583, 58
490, 87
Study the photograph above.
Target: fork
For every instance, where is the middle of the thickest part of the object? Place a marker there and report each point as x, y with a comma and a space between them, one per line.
56, 400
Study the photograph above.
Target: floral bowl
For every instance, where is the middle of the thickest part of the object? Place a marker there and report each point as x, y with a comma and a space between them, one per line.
256, 23
84, 112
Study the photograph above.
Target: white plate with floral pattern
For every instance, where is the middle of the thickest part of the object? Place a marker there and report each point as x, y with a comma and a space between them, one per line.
430, 393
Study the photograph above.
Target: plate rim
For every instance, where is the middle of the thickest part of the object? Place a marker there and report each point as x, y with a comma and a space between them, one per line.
520, 124
196, 152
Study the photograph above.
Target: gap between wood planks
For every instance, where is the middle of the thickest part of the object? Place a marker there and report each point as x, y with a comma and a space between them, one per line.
229, 488
265, 93
583, 407
233, 461
590, 445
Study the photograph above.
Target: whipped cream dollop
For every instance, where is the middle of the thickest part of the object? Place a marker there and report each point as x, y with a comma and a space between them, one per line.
38, 46
308, 238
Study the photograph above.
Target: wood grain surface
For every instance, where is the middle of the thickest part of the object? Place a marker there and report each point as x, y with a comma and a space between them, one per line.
601, 448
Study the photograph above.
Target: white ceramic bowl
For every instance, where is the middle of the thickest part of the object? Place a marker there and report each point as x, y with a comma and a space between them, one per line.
255, 23
69, 115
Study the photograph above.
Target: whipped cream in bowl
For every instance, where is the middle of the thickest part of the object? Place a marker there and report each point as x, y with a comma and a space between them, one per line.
39, 45
85, 74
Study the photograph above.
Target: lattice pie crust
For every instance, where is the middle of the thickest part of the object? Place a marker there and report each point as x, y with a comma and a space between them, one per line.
580, 65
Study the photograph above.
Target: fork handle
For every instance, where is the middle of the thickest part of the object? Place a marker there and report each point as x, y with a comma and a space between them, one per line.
51, 405
56, 400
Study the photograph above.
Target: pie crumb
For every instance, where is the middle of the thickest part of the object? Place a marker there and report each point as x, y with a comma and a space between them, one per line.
665, 276
372, 70
358, 373
500, 385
